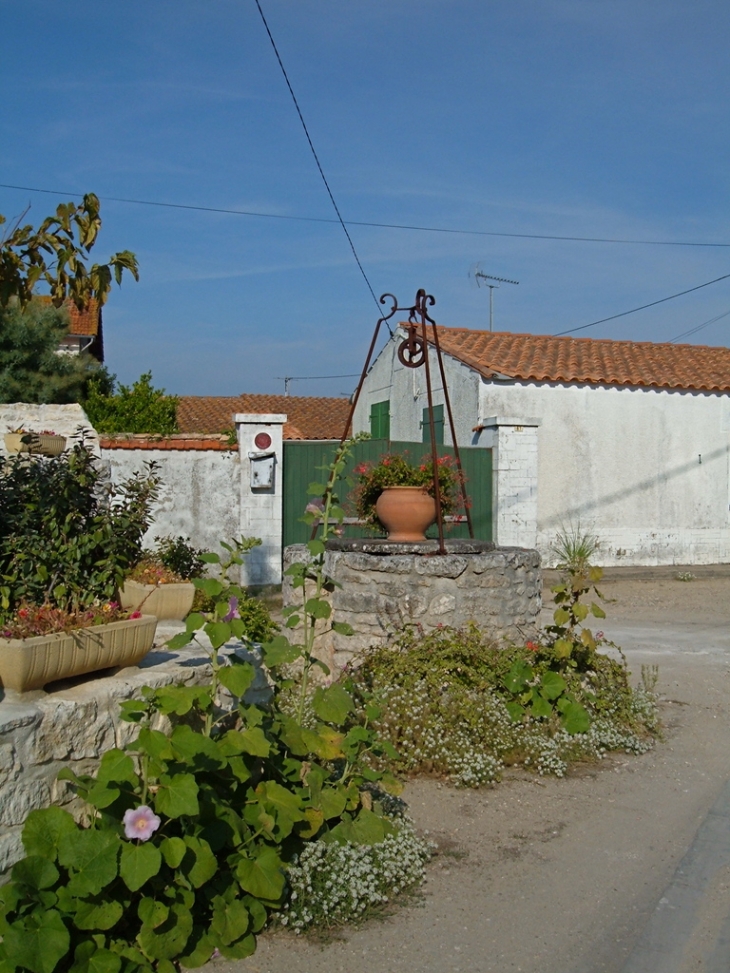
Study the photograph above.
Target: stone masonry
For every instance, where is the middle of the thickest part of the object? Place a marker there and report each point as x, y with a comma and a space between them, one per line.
382, 587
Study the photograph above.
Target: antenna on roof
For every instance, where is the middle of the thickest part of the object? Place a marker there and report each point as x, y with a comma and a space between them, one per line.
286, 379
478, 276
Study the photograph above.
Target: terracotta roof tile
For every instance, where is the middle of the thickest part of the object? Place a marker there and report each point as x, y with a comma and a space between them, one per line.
84, 322
309, 417
544, 358
185, 441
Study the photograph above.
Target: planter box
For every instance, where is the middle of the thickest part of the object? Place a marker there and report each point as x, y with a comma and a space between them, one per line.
27, 664
162, 600
42, 444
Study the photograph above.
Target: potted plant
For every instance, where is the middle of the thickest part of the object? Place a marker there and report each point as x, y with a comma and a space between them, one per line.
45, 443
161, 582
398, 497
42, 643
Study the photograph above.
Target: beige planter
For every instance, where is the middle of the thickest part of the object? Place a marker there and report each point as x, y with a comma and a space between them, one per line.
42, 444
162, 600
31, 663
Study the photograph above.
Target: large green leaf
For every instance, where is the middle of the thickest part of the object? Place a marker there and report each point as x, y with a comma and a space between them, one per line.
318, 608
177, 795
576, 718
198, 950
240, 949
91, 958
552, 685
369, 828
173, 851
195, 748
117, 766
205, 864
139, 863
152, 912
262, 876
35, 872
332, 704
168, 940
332, 801
211, 586
98, 913
279, 652
44, 829
38, 943
91, 858
541, 708
230, 920
237, 677
218, 632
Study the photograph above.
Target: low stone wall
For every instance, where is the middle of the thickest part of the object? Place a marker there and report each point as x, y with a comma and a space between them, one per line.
74, 725
386, 586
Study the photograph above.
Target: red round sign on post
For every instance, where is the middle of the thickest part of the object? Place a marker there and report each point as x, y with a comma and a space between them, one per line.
262, 440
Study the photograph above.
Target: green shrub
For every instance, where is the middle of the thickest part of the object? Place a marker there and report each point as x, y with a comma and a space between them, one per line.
67, 537
139, 409
178, 555
454, 705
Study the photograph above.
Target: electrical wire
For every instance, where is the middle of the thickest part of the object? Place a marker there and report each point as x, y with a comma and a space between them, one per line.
686, 334
372, 223
633, 310
316, 157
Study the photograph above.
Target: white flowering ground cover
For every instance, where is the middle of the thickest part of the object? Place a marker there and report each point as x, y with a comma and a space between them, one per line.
331, 883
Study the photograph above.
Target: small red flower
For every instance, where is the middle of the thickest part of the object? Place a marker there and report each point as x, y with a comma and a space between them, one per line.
533, 646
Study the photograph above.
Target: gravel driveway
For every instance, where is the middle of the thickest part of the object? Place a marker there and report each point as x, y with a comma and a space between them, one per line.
568, 876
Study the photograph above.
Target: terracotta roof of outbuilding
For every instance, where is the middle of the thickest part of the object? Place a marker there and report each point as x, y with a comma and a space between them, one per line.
544, 358
309, 417
84, 322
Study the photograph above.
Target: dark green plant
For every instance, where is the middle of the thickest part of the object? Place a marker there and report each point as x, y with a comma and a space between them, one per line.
177, 554
140, 408
31, 370
66, 536
190, 833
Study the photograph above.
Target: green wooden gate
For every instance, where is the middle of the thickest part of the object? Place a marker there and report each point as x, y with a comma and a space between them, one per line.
302, 459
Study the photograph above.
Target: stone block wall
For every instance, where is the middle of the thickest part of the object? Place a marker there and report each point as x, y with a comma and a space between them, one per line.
497, 588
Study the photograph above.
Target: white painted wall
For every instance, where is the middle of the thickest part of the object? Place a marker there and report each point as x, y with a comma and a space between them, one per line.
199, 495
623, 463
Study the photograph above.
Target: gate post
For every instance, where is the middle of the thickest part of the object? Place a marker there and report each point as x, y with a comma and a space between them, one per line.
261, 449
514, 478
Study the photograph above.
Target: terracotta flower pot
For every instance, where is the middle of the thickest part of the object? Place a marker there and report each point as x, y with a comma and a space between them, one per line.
406, 512
27, 664
162, 600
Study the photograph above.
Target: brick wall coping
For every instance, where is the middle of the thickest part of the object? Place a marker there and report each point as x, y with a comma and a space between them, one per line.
188, 440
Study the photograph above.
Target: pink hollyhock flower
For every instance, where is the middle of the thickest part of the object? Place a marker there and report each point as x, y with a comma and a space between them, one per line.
136, 615
314, 507
232, 610
140, 822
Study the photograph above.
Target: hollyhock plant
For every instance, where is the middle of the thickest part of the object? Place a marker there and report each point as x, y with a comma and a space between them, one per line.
140, 822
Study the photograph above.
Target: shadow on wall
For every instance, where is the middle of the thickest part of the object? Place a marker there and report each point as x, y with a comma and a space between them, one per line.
575, 514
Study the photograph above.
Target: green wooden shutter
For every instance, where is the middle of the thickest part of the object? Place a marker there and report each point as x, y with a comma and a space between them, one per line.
380, 420
438, 422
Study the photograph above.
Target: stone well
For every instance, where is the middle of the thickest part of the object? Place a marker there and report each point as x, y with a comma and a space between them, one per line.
384, 586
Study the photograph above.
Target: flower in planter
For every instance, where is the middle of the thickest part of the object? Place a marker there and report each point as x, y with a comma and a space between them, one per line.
172, 561
31, 620
393, 469
140, 822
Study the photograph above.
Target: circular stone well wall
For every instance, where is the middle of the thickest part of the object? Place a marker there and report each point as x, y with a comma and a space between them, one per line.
385, 586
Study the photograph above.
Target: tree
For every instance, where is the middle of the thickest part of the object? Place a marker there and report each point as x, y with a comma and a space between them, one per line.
54, 255
31, 369
141, 408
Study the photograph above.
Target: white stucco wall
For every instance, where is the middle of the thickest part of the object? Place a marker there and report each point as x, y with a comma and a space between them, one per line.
199, 494
623, 463
65, 420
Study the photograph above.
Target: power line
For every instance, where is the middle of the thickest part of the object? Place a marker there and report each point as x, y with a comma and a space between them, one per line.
686, 334
316, 157
372, 223
633, 310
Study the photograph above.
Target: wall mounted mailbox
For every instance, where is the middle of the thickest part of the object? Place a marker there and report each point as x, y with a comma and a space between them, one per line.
262, 469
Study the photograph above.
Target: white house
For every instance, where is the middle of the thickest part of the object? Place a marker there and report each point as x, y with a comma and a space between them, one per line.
629, 440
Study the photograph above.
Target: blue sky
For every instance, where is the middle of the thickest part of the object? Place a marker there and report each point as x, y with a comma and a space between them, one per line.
597, 118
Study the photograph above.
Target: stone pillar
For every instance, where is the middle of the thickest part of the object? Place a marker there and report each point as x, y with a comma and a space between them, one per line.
261, 447
514, 484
